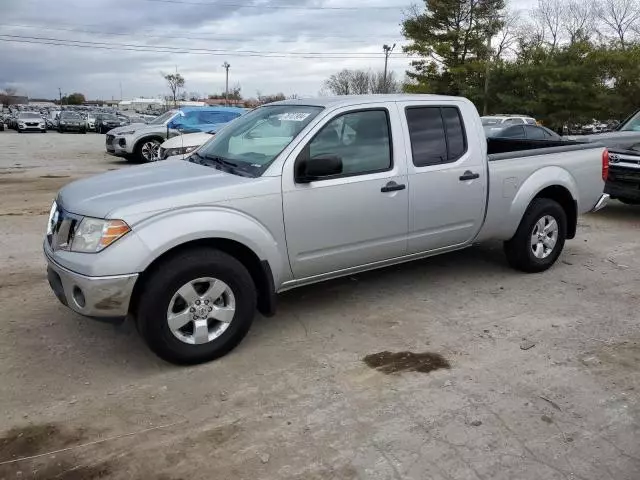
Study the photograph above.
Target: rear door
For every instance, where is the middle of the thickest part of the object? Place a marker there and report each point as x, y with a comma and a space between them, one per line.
447, 175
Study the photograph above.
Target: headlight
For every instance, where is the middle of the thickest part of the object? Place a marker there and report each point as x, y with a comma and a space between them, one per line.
180, 151
94, 234
128, 132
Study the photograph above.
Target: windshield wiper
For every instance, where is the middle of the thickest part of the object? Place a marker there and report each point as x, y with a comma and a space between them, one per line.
219, 162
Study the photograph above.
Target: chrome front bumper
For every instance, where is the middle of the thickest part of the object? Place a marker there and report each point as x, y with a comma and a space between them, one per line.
91, 296
604, 199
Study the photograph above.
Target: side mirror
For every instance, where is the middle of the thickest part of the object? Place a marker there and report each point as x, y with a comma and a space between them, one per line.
317, 168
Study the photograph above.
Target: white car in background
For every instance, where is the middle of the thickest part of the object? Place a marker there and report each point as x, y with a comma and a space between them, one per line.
506, 120
181, 146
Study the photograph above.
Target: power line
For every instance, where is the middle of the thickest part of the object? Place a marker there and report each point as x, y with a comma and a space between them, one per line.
177, 50
178, 37
191, 49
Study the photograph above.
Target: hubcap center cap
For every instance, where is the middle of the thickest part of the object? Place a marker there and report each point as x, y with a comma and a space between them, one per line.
202, 311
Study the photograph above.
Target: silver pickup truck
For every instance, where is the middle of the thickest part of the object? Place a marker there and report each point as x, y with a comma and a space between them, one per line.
302, 191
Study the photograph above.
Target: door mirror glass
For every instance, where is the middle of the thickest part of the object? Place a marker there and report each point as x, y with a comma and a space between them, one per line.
310, 169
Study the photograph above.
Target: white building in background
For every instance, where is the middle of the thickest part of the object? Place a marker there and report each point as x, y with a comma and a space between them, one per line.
141, 105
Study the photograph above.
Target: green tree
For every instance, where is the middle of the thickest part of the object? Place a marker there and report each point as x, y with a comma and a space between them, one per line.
451, 40
74, 99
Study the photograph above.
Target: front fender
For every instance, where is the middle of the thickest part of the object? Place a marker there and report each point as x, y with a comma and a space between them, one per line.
163, 232
532, 186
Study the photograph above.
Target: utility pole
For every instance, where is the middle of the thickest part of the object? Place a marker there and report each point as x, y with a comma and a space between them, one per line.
487, 73
226, 66
60, 95
387, 51
121, 92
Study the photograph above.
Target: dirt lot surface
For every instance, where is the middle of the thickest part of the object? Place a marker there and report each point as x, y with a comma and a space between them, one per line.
504, 376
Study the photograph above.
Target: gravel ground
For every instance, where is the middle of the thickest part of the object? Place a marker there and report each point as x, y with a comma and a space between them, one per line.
511, 376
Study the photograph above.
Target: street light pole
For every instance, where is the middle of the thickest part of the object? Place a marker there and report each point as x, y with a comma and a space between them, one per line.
226, 66
387, 51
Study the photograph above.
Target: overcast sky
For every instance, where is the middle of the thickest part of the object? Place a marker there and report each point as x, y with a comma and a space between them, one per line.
265, 44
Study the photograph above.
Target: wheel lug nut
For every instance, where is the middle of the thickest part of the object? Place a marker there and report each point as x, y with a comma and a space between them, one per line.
192, 309
206, 302
210, 308
197, 302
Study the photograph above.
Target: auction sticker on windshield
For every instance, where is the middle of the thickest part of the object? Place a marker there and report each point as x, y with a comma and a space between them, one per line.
293, 116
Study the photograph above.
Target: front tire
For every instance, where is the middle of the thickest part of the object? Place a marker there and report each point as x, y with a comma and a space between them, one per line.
540, 237
196, 306
146, 150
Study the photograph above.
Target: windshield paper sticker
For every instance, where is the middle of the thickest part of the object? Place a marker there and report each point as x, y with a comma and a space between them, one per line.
293, 117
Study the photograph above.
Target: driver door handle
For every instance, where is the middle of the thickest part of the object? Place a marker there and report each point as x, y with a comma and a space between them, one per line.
393, 187
469, 175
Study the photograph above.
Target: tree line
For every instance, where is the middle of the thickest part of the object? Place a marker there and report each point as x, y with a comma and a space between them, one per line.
564, 61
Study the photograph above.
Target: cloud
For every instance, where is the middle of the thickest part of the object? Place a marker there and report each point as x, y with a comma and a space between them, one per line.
219, 31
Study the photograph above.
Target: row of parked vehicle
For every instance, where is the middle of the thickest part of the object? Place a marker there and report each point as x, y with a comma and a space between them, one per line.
67, 119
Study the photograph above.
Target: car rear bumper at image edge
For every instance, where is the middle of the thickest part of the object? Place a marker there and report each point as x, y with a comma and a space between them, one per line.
102, 297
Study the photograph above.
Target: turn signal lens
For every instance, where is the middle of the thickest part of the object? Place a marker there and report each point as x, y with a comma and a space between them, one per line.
112, 231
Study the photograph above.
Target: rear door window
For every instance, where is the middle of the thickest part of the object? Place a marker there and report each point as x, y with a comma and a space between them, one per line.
512, 132
437, 135
534, 133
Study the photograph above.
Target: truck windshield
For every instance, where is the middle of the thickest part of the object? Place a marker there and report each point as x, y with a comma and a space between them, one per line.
251, 142
631, 125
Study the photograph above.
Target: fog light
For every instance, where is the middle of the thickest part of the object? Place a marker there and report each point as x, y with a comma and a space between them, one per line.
78, 297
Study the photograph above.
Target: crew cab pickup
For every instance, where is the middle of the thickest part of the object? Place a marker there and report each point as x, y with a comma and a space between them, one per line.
302, 191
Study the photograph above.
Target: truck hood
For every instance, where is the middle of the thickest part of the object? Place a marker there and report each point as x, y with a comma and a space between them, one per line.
126, 194
188, 140
614, 140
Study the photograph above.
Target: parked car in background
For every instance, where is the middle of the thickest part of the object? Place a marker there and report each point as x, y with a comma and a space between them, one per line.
91, 121
69, 121
330, 187
623, 143
141, 142
504, 120
180, 146
52, 119
30, 122
107, 121
530, 132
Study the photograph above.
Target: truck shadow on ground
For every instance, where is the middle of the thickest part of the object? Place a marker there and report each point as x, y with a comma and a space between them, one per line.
616, 211
119, 346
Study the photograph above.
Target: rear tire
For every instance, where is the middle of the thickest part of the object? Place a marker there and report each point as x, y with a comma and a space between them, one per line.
160, 295
540, 237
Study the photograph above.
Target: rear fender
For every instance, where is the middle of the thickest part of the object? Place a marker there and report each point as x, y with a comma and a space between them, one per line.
545, 177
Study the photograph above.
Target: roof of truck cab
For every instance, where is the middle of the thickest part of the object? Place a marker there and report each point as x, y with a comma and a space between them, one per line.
345, 100
210, 109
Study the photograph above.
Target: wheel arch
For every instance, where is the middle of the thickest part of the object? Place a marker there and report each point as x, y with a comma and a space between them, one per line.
151, 136
563, 197
260, 270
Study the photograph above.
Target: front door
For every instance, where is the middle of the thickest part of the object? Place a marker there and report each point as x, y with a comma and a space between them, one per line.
353, 218
447, 175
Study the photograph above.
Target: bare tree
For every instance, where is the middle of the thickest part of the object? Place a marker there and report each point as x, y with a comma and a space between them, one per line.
619, 18
360, 81
175, 81
508, 36
550, 13
339, 83
380, 84
579, 20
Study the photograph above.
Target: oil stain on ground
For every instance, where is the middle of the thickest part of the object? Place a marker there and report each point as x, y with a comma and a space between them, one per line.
32, 440
390, 362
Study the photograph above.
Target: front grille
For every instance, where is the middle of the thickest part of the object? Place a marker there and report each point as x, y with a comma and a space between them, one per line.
63, 229
32, 124
110, 139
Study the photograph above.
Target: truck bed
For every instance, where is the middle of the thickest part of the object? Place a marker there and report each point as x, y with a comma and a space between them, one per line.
513, 183
507, 148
